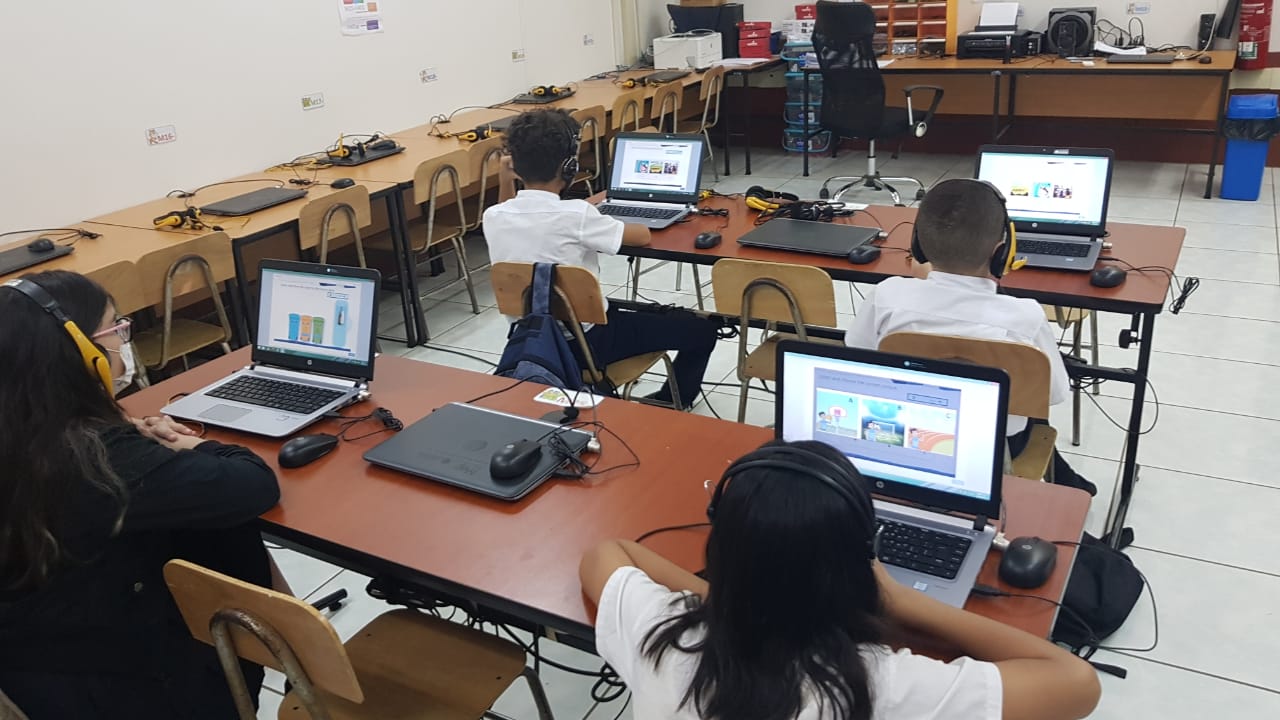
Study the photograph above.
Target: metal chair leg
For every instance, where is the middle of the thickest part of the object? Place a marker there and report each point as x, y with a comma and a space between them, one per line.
743, 389
539, 694
1076, 336
1093, 344
697, 287
460, 248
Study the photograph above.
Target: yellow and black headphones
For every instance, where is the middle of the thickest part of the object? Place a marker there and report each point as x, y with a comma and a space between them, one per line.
810, 464
758, 198
480, 132
1005, 258
95, 361
628, 83
186, 218
570, 167
544, 90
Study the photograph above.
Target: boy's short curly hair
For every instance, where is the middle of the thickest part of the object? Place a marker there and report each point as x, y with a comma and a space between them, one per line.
540, 141
959, 225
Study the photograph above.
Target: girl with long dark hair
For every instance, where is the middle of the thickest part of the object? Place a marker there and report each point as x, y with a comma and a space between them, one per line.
92, 504
791, 620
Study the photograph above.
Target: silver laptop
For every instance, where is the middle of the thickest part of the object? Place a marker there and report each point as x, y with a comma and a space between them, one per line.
656, 178
929, 437
313, 353
1057, 200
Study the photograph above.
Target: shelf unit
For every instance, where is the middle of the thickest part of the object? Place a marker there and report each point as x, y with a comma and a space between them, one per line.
907, 27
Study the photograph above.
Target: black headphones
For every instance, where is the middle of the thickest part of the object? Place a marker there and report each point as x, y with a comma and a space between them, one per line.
570, 167
758, 198
802, 461
1005, 258
91, 353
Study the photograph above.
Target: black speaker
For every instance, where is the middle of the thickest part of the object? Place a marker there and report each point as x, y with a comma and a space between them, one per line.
1204, 37
1230, 14
1070, 32
723, 19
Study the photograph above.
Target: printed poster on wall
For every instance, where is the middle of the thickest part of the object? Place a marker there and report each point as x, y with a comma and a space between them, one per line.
360, 17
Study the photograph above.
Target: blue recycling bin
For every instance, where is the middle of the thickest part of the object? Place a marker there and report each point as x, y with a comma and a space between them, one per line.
1251, 122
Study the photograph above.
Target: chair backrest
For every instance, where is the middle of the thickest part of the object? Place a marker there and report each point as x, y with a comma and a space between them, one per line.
774, 292
121, 280
627, 109
485, 158
666, 104
8, 710
182, 270
709, 93
576, 299
1026, 365
429, 183
613, 141
592, 121
853, 92
312, 215
201, 593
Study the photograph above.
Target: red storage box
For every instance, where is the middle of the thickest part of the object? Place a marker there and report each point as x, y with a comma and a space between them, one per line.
806, 12
755, 25
752, 34
754, 48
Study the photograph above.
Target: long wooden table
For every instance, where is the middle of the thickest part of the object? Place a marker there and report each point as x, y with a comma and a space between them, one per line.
1142, 295
520, 559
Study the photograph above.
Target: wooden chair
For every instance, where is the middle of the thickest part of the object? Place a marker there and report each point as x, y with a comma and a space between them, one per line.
627, 108
592, 121
709, 93
665, 111
484, 159
404, 664
8, 710
1028, 370
802, 295
577, 299
121, 280
1074, 319
349, 207
446, 223
174, 272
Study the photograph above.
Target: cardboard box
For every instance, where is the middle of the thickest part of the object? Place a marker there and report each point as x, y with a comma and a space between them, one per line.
677, 52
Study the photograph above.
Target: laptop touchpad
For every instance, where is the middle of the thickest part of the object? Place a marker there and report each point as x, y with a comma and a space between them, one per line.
225, 413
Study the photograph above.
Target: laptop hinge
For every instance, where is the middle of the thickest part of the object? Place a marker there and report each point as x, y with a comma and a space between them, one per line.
980, 523
357, 383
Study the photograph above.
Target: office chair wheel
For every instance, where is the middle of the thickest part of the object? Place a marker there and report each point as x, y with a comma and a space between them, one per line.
920, 194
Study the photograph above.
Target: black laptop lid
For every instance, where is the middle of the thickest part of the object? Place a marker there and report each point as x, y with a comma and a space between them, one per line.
317, 318
809, 236
927, 432
252, 202
1056, 191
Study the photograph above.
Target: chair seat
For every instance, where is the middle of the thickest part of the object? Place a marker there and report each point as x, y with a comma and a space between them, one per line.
1065, 317
762, 363
893, 123
186, 336
447, 227
1034, 461
630, 369
415, 666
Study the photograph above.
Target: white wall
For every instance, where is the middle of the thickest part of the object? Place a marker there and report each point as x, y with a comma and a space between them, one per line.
81, 81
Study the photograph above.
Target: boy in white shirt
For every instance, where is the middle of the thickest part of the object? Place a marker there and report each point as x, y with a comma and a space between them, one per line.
960, 227
536, 225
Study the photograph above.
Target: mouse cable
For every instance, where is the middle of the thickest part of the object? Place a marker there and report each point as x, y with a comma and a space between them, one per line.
459, 353
188, 194
1155, 612
478, 398
605, 672
1091, 644
671, 528
77, 231
1184, 288
1155, 398
390, 423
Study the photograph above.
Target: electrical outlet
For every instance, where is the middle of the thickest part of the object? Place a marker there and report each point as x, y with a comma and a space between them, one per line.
517, 55
588, 40
314, 101
1139, 8
162, 135
428, 75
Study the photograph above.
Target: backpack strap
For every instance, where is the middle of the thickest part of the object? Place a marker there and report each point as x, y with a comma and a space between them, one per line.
544, 275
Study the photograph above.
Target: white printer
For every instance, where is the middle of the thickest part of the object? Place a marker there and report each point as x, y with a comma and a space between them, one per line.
696, 49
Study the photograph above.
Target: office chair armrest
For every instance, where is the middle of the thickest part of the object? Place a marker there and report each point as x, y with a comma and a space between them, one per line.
933, 105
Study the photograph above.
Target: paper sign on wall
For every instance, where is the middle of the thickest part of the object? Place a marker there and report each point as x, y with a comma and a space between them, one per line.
360, 17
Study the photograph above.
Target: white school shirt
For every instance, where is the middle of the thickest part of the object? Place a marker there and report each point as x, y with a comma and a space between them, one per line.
947, 304
903, 686
536, 226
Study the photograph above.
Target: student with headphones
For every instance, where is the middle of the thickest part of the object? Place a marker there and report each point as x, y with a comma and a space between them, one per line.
92, 504
963, 244
537, 225
791, 622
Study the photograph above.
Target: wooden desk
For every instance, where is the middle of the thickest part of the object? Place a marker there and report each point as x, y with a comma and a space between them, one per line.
1141, 295
522, 558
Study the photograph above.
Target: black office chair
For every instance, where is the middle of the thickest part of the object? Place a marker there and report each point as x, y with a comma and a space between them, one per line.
853, 95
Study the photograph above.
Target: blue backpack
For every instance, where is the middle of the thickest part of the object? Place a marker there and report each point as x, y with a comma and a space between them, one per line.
537, 350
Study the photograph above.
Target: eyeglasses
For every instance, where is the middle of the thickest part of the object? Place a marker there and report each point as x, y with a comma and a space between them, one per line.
122, 327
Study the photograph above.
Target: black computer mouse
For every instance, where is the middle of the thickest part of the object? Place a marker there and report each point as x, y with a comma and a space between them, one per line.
306, 448
1108, 276
706, 240
864, 254
1206, 60
41, 245
1028, 562
514, 460
342, 183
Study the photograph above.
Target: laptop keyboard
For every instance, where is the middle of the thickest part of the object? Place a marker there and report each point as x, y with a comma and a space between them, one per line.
927, 551
635, 211
1049, 247
277, 394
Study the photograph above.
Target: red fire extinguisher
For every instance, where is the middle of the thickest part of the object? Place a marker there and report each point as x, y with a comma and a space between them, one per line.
1255, 35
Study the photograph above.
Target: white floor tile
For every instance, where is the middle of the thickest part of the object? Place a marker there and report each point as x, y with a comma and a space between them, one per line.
1229, 387
486, 331
1147, 179
1216, 236
770, 181
1229, 265
269, 705
453, 359
759, 411
1153, 691
1230, 298
1246, 340
442, 315
1145, 209
304, 574
1234, 212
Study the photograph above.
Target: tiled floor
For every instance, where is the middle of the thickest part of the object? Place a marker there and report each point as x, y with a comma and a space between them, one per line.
1204, 508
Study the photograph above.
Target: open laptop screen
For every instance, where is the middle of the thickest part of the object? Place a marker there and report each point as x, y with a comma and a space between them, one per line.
317, 318
925, 431
659, 167
1055, 190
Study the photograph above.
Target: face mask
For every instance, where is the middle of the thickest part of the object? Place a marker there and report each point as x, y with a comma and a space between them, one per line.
125, 380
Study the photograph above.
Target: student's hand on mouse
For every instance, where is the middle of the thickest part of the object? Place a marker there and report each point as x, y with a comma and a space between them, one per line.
163, 428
